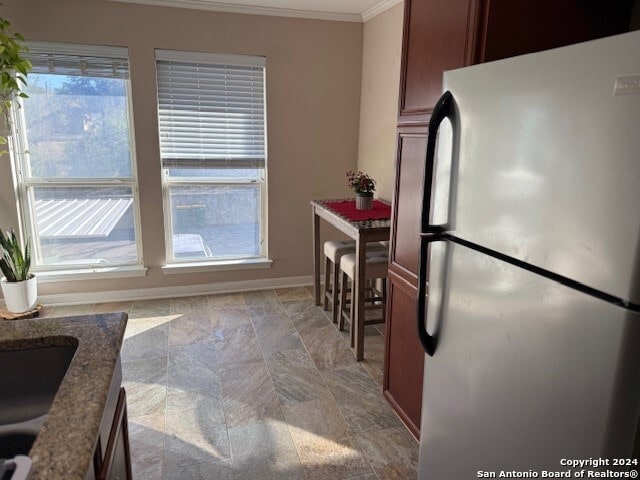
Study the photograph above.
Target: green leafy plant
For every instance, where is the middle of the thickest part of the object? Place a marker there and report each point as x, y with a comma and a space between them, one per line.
14, 263
361, 182
14, 68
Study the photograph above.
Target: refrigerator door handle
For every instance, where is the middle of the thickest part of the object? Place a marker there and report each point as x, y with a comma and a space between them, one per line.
443, 109
428, 341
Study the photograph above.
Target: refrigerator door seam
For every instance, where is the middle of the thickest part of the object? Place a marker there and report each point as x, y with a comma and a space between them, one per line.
567, 282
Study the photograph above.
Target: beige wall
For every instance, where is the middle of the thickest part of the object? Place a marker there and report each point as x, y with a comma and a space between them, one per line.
382, 48
313, 102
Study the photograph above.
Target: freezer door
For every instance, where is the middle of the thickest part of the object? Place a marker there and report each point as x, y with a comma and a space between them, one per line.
526, 372
545, 163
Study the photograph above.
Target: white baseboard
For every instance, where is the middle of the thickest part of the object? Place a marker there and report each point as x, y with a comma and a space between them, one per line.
184, 291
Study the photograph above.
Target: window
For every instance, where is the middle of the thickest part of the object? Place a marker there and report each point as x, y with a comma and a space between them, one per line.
211, 113
74, 158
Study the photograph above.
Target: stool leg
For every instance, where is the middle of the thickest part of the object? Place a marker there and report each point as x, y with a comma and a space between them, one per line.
384, 299
336, 291
343, 301
352, 313
327, 275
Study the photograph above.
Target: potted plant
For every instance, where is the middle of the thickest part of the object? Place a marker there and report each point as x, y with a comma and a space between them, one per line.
19, 286
13, 75
363, 186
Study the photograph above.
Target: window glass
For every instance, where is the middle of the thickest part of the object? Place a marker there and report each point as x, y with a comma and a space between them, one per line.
84, 225
77, 186
77, 127
215, 221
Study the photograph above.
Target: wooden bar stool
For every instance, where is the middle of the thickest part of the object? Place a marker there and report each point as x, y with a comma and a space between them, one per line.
376, 268
333, 252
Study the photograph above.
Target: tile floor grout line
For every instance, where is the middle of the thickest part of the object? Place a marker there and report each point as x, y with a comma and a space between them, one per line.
314, 363
166, 395
217, 367
321, 379
353, 433
224, 413
264, 359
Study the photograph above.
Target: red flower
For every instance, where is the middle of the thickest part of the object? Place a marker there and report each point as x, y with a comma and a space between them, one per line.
360, 182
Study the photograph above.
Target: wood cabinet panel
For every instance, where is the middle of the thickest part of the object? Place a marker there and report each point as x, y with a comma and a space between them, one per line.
436, 38
116, 464
404, 356
407, 205
531, 26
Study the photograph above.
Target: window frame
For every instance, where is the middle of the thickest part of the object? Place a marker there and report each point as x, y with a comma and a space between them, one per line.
168, 182
231, 262
26, 183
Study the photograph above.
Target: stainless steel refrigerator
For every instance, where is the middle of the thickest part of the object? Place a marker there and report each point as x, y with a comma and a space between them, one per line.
530, 264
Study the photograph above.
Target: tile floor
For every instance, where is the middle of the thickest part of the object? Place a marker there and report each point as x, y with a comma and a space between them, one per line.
254, 386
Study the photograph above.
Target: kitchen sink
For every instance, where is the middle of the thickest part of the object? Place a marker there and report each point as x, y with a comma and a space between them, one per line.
29, 381
12, 444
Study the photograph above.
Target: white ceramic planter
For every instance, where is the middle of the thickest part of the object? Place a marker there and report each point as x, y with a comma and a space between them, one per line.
20, 296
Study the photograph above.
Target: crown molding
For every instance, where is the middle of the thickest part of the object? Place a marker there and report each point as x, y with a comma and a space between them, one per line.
252, 10
377, 9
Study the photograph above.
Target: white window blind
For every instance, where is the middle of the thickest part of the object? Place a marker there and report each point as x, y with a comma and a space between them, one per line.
105, 62
211, 110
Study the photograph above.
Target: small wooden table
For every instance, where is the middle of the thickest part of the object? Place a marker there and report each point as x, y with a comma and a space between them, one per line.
362, 232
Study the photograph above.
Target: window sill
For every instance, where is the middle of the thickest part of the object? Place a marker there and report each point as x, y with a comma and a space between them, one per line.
50, 276
219, 266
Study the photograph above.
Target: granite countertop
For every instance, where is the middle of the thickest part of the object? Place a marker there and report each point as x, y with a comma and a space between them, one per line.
64, 447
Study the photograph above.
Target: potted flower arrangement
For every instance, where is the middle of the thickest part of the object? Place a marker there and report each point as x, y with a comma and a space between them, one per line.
363, 186
19, 286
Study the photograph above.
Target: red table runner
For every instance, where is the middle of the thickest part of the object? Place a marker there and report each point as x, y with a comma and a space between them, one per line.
347, 209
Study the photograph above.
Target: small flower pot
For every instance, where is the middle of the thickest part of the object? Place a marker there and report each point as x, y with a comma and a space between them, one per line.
364, 201
20, 297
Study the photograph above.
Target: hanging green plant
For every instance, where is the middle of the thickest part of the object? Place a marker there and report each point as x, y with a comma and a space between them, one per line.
14, 68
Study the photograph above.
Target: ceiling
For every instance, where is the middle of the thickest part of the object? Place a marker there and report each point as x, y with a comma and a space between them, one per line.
340, 10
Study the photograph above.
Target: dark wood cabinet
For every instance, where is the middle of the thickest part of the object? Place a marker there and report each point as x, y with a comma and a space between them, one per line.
404, 358
508, 28
436, 38
440, 35
404, 366
407, 206
111, 456
116, 464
